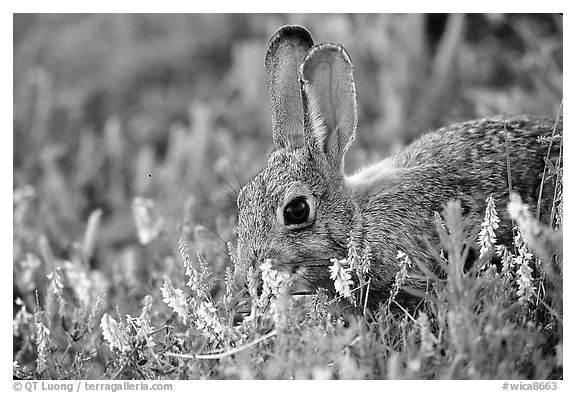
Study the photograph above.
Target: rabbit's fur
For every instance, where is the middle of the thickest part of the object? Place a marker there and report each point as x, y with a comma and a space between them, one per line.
386, 207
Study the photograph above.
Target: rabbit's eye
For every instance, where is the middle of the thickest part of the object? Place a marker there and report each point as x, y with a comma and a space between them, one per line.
296, 212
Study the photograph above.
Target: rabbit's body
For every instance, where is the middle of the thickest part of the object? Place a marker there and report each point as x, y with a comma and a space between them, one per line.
301, 210
398, 196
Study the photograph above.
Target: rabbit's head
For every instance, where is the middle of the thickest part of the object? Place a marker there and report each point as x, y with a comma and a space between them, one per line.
298, 211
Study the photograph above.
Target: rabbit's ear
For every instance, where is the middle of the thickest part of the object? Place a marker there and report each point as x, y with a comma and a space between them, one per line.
329, 102
286, 50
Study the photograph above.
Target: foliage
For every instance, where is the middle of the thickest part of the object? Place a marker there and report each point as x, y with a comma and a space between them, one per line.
476, 323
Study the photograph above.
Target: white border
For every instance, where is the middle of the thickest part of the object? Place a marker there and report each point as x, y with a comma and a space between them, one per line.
300, 6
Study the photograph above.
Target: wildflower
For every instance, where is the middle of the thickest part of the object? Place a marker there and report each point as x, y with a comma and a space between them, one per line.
520, 212
360, 265
228, 283
148, 222
518, 267
546, 139
42, 333
189, 269
440, 228
56, 289
274, 293
26, 270
252, 284
361, 268
22, 193
56, 285
352, 258
341, 277
405, 264
145, 314
364, 265
95, 310
541, 238
22, 318
271, 278
272, 300
17, 371
199, 279
526, 289
231, 252
21, 200
174, 297
144, 323
487, 236
113, 334
427, 338
207, 320
507, 260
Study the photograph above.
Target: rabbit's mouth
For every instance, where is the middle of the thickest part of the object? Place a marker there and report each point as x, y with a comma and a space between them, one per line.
304, 293
299, 287
316, 263
308, 275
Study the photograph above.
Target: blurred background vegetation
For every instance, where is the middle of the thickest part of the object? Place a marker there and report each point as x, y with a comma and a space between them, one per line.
174, 108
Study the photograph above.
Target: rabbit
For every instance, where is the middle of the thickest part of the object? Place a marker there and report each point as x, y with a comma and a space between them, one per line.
302, 209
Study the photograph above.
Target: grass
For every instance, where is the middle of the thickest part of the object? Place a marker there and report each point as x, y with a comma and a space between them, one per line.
476, 324
127, 155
